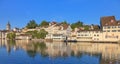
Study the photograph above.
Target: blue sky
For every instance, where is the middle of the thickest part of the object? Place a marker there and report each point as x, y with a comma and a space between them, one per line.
19, 12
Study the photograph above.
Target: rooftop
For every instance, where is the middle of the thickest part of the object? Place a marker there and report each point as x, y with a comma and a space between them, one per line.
109, 21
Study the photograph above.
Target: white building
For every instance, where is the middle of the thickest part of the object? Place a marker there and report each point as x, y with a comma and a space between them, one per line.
89, 36
58, 31
110, 31
111, 28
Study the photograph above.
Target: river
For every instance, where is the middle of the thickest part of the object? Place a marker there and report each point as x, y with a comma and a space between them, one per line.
30, 52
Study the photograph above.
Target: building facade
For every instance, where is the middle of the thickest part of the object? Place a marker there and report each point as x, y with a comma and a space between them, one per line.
109, 32
89, 36
110, 28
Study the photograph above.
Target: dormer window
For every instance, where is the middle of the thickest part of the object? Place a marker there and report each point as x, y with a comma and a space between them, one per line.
112, 20
106, 24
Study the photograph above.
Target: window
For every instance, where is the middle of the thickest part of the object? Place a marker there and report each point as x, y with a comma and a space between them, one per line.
118, 26
85, 34
97, 34
108, 27
108, 30
113, 30
113, 26
118, 30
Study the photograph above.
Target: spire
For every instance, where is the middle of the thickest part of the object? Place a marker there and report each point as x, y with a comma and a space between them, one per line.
8, 26
8, 23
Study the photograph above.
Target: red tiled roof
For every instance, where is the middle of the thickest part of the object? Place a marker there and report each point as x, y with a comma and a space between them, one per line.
108, 21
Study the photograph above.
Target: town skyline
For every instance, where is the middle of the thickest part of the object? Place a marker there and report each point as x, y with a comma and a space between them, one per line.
54, 21
20, 12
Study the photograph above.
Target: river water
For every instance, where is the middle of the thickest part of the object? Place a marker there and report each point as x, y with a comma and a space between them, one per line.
30, 52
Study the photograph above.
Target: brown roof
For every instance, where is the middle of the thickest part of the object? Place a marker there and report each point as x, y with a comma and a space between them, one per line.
53, 22
108, 21
65, 26
96, 27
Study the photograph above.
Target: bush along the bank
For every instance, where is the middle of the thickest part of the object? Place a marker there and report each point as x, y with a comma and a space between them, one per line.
11, 36
38, 34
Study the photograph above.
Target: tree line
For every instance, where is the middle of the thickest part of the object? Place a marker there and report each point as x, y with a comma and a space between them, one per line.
32, 24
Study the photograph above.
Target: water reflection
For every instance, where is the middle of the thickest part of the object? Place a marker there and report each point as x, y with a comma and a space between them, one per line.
106, 53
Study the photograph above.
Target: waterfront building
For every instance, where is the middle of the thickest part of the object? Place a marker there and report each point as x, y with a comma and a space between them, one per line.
109, 32
3, 34
90, 35
58, 31
111, 28
56, 37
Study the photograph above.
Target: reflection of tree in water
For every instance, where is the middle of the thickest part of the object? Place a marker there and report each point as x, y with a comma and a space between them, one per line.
10, 44
79, 54
31, 53
65, 55
72, 53
37, 47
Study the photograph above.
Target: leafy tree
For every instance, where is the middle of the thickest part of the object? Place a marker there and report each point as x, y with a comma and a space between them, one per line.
86, 27
33, 33
38, 34
32, 24
44, 23
76, 25
42, 33
11, 35
64, 22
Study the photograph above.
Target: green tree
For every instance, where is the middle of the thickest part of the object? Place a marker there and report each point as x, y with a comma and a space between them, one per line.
44, 23
77, 24
38, 34
32, 24
33, 33
11, 35
42, 33
64, 22
86, 27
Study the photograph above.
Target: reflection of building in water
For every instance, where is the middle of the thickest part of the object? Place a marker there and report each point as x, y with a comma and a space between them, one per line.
3, 43
58, 49
109, 53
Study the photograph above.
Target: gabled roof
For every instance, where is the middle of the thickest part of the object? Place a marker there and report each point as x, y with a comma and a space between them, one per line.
65, 26
108, 21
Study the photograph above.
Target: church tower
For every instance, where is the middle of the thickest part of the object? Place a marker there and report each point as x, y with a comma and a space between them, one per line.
8, 26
